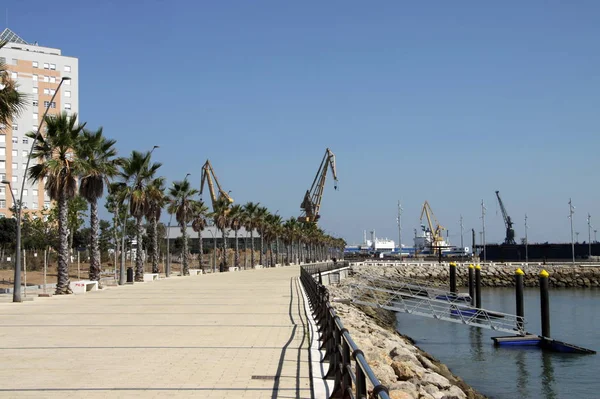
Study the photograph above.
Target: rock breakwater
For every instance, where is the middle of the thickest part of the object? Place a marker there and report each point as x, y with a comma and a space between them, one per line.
406, 370
495, 275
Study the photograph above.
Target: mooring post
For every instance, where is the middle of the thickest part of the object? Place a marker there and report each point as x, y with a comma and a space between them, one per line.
472, 284
453, 278
519, 298
478, 287
545, 303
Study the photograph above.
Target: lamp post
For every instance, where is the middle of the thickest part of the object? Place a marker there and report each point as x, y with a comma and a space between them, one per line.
168, 267
122, 266
483, 228
17, 279
589, 220
571, 212
526, 241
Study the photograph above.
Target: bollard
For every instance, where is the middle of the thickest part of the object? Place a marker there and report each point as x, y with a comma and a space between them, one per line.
545, 303
519, 299
453, 278
471, 284
130, 275
478, 287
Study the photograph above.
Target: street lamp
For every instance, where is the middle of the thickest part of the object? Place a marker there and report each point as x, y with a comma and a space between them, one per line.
168, 268
17, 284
122, 266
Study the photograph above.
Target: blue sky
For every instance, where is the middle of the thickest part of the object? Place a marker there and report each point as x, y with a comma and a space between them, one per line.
438, 101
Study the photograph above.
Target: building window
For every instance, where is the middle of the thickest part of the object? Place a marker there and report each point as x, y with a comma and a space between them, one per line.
34, 192
2, 190
35, 116
15, 139
67, 68
67, 93
25, 140
34, 206
46, 91
53, 67
24, 204
15, 192
52, 79
35, 78
14, 75
46, 204
52, 91
67, 105
46, 79
2, 164
2, 203
15, 126
47, 103
34, 64
67, 82
25, 153
15, 179
46, 65
2, 150
2, 138
15, 166
35, 90
2, 177
25, 192
15, 153
24, 165
35, 103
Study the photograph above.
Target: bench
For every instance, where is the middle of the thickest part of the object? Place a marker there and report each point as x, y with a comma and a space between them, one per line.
150, 277
83, 286
195, 272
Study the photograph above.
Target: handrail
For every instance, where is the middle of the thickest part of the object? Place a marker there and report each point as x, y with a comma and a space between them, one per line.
339, 346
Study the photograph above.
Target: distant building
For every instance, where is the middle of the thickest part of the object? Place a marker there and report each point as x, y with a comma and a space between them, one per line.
38, 71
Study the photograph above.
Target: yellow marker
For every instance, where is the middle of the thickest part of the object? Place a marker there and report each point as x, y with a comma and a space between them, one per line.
471, 266
544, 273
519, 271
478, 267
452, 264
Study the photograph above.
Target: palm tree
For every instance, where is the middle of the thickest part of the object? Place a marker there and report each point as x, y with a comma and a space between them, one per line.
250, 223
261, 218
271, 231
290, 234
199, 215
58, 164
97, 155
222, 219
12, 102
236, 219
137, 172
181, 204
156, 202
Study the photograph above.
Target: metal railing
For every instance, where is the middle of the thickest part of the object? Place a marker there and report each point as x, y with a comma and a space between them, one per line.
350, 380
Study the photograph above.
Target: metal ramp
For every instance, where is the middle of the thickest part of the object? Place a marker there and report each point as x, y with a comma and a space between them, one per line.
420, 299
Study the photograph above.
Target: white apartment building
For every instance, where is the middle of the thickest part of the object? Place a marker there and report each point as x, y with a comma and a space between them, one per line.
38, 71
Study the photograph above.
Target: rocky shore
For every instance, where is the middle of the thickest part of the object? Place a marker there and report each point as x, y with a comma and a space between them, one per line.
496, 275
406, 370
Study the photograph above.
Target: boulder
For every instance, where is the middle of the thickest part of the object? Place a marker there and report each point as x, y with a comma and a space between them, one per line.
437, 380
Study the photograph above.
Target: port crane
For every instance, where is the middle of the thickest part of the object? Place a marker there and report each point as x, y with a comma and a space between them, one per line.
510, 232
208, 175
311, 205
436, 232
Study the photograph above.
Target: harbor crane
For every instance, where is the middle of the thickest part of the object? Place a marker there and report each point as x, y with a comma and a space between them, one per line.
436, 232
510, 232
208, 175
311, 205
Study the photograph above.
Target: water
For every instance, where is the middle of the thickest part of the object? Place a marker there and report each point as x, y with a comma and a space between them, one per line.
500, 372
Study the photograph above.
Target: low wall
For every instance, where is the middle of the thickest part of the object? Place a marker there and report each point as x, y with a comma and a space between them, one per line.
492, 275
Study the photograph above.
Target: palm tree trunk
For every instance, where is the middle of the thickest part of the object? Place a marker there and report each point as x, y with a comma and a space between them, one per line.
184, 253
237, 250
224, 231
252, 253
94, 272
271, 254
246, 251
201, 249
261, 248
154, 245
139, 265
62, 282
276, 250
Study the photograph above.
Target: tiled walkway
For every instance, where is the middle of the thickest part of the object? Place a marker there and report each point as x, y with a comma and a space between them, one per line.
230, 335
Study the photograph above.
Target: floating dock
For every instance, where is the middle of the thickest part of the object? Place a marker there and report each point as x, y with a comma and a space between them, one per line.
543, 343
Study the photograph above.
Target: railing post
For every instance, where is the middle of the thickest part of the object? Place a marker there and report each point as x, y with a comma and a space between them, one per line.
346, 378
335, 358
361, 382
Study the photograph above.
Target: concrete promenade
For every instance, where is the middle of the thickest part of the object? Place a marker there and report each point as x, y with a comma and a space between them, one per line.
237, 335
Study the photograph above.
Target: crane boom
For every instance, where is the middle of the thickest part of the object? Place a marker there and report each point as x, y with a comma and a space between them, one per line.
510, 232
311, 204
208, 175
